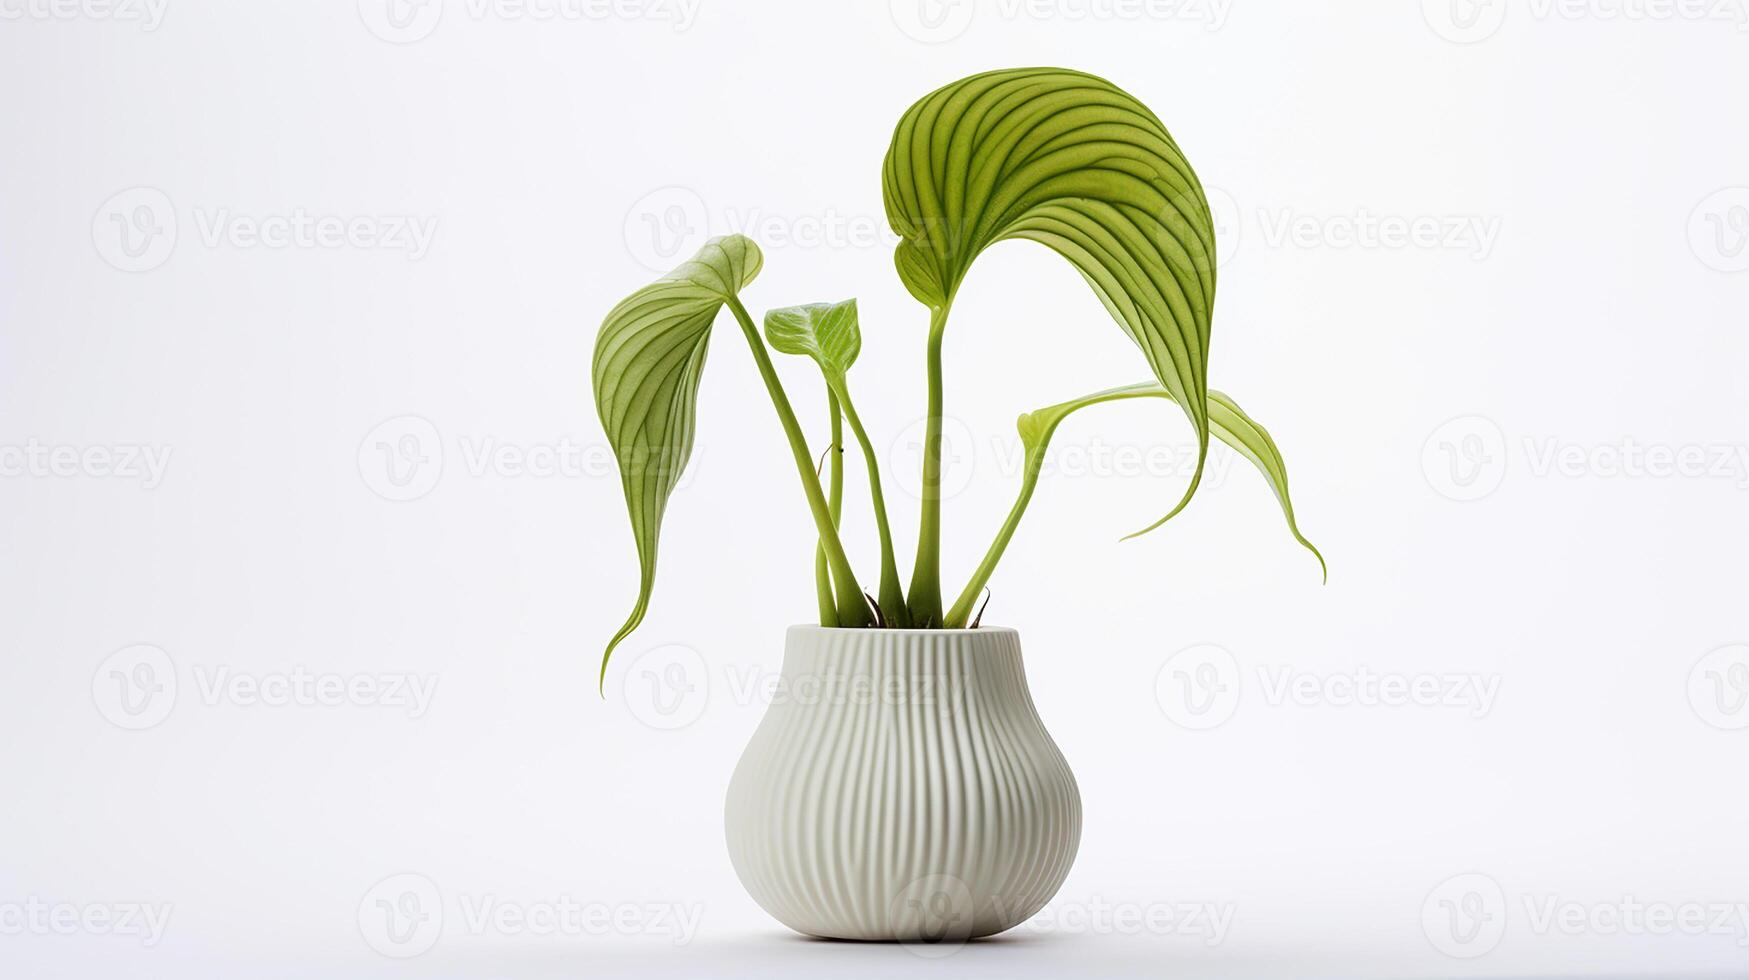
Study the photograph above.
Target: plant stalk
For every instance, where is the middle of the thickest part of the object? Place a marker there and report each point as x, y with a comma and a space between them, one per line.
925, 595
962, 607
892, 595
834, 504
852, 606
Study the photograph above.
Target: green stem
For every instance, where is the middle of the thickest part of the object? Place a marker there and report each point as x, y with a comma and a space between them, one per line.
892, 593
925, 595
852, 607
835, 504
962, 607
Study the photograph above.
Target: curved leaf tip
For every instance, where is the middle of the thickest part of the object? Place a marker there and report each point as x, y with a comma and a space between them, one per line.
1227, 421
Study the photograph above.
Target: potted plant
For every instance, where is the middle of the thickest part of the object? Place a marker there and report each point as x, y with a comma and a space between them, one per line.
907, 789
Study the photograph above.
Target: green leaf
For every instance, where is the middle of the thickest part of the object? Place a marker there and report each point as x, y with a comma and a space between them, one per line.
648, 359
829, 333
1073, 162
1230, 424
826, 332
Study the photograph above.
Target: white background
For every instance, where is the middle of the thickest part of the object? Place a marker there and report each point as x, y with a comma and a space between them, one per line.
1590, 304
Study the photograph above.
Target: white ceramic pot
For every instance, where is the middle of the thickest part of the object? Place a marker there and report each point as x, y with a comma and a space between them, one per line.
901, 787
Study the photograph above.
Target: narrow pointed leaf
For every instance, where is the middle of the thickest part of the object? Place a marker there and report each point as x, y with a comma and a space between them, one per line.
826, 332
649, 356
1073, 162
1228, 422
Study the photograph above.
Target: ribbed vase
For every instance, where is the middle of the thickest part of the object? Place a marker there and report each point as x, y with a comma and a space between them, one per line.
901, 787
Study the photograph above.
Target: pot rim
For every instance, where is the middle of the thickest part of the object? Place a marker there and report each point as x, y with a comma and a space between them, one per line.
966, 631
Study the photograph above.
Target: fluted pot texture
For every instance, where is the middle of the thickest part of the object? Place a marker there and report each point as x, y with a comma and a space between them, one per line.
901, 787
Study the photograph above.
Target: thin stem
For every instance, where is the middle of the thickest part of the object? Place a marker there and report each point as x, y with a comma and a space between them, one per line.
852, 607
962, 607
835, 504
892, 593
925, 595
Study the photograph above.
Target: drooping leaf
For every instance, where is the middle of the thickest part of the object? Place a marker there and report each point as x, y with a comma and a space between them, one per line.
1229, 423
648, 359
826, 332
1073, 162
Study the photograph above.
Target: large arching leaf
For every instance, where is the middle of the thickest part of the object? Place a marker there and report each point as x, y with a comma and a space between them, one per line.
648, 359
1073, 162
